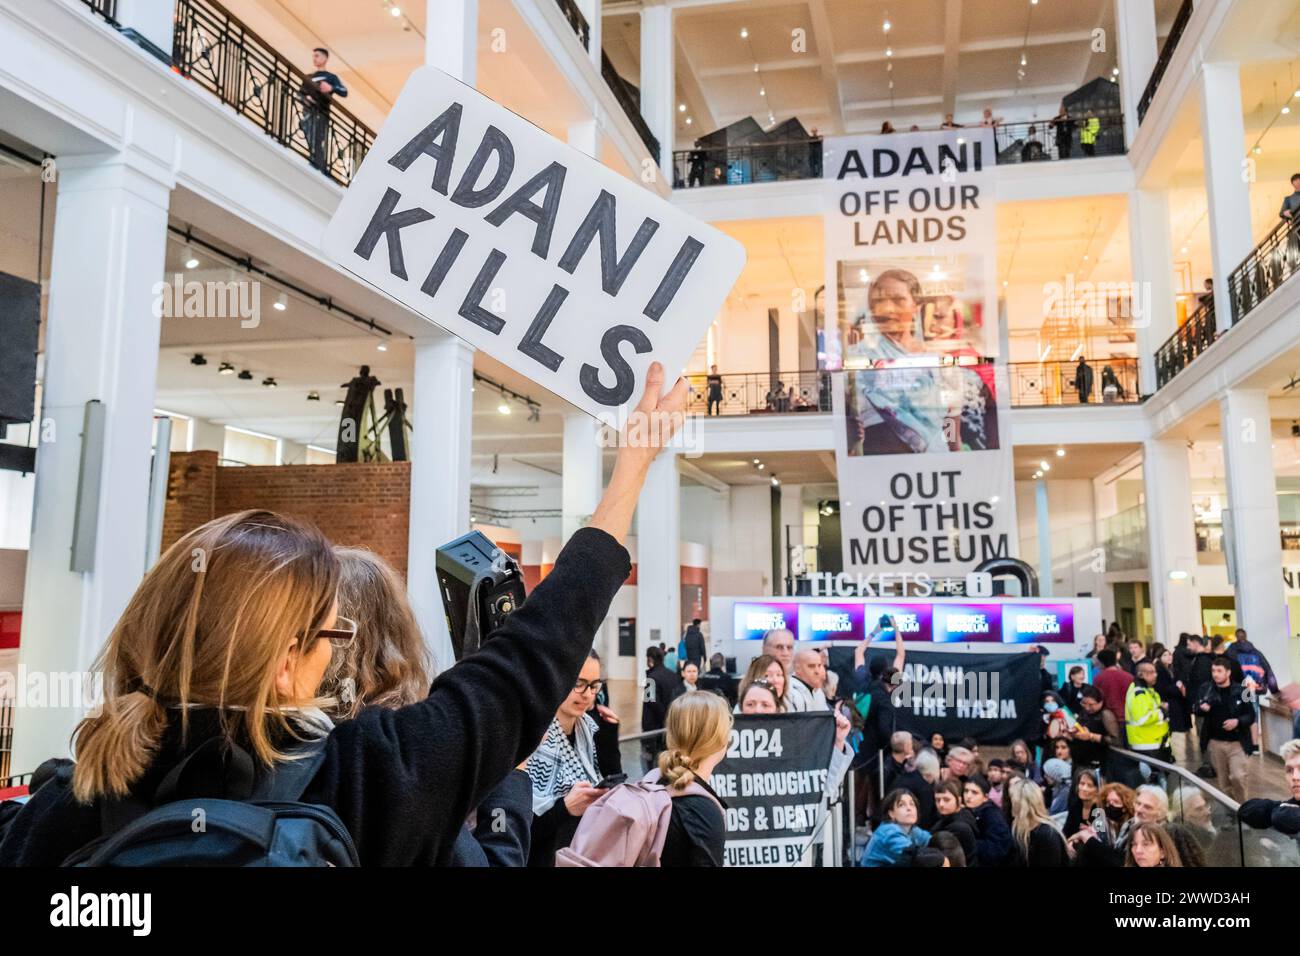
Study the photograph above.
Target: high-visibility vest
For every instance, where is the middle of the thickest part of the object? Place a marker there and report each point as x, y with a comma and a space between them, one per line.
1091, 127
1146, 724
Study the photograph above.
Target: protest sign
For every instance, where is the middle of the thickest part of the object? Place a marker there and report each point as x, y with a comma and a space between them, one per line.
528, 249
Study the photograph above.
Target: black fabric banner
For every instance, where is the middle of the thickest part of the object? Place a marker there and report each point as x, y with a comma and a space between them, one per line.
773, 779
994, 698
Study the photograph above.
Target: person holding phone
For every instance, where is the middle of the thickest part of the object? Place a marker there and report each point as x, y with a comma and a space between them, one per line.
564, 770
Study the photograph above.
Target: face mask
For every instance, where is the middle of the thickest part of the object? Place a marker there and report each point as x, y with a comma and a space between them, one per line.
1115, 814
1051, 707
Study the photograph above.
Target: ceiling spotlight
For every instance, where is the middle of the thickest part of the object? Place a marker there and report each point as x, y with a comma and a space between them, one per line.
889, 51
191, 260
1257, 151
1285, 110
198, 359
268, 382
762, 91
761, 466
886, 26
382, 347
756, 461
245, 376
1114, 71
1060, 453
1038, 474
863, 275
775, 481
681, 107
339, 402
688, 121
226, 369
395, 11
503, 407
1044, 466
281, 302
1023, 60
313, 396
744, 33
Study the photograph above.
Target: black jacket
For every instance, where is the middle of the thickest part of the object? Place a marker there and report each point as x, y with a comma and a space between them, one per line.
914, 783
695, 649
1226, 703
697, 832
1167, 688
315, 96
994, 844
1046, 847
719, 682
501, 829
964, 827
404, 781
661, 689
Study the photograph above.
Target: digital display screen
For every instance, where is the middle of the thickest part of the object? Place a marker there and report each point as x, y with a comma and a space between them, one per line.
752, 621
1037, 624
911, 622
962, 623
832, 622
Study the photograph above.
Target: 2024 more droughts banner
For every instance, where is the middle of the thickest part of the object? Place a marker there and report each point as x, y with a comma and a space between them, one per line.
773, 780
921, 410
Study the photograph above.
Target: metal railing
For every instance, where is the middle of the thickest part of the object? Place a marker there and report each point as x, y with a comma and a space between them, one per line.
747, 163
104, 8
750, 393
1191, 339
6, 734
1037, 384
576, 20
1162, 61
218, 52
630, 99
1269, 264
1052, 140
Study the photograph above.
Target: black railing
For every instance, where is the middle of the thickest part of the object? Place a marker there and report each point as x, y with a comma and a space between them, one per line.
747, 163
1269, 264
752, 393
576, 20
105, 8
1074, 138
1192, 338
6, 734
630, 99
1162, 61
1107, 382
216, 51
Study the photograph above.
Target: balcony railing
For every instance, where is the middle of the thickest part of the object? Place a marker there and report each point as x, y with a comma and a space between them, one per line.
1038, 384
630, 99
1163, 60
105, 8
577, 21
1269, 264
802, 159
1049, 140
216, 51
1192, 338
755, 393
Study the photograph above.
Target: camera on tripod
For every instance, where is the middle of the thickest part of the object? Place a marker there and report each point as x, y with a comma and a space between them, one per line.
480, 586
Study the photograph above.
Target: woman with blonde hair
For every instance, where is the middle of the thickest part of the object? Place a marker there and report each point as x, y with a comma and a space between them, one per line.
1037, 837
211, 680
767, 668
699, 732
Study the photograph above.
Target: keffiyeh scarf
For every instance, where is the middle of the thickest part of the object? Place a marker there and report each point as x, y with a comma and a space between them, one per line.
557, 765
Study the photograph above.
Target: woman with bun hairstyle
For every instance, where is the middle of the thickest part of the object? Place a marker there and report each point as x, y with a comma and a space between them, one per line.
217, 661
699, 731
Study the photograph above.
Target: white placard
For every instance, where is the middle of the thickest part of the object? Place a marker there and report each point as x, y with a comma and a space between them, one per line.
528, 249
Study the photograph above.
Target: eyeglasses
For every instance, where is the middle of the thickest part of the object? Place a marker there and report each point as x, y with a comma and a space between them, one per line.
342, 633
582, 686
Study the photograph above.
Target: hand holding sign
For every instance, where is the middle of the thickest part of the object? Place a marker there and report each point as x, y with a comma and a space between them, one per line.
533, 252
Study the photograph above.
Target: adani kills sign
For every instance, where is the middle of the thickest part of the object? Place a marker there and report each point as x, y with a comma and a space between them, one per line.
535, 253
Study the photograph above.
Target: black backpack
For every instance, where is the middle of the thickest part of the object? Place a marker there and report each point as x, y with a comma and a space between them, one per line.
272, 828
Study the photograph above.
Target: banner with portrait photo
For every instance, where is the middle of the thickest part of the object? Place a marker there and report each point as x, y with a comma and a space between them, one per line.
921, 407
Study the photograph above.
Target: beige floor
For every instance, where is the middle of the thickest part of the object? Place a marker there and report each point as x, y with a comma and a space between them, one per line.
625, 700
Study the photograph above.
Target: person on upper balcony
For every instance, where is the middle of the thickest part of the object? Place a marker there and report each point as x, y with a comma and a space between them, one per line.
318, 91
1292, 202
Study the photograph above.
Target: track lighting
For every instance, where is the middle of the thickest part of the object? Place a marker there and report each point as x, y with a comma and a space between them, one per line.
245, 376
226, 369
198, 359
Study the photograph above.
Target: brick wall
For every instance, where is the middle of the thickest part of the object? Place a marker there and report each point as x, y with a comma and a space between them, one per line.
362, 504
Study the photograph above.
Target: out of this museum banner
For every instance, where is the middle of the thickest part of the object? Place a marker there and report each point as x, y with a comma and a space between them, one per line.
911, 329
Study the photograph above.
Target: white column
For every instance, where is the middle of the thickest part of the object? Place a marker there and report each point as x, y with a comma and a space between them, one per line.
1044, 532
1135, 21
1251, 525
1152, 259
791, 528
151, 19
441, 415
591, 10
101, 342
658, 557
1226, 191
451, 40
582, 479
1171, 539
657, 78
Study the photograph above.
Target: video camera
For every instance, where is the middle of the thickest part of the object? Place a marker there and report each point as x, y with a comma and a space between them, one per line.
480, 586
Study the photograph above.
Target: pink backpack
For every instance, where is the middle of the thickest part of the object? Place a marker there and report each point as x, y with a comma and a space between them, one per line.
627, 826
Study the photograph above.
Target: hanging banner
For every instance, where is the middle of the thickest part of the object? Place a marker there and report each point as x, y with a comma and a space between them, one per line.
994, 698
773, 780
541, 256
924, 462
